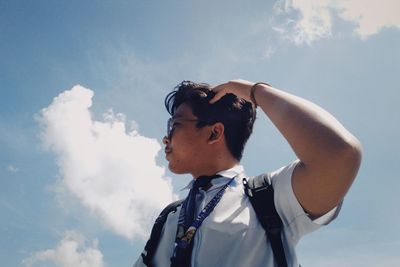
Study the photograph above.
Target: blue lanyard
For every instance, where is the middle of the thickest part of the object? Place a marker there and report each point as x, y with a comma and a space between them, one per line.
183, 235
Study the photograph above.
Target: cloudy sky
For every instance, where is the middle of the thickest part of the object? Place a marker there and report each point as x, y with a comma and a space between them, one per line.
82, 172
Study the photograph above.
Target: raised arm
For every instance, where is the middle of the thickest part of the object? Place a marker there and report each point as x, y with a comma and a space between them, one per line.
329, 154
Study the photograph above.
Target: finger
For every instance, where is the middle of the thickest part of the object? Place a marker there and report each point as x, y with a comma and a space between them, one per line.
218, 93
217, 96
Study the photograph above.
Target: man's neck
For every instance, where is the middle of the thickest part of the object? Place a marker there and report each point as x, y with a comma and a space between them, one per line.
215, 168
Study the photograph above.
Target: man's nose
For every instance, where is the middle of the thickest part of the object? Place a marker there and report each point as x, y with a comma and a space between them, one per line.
165, 140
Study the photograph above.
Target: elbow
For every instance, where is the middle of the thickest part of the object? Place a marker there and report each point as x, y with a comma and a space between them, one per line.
351, 154
355, 148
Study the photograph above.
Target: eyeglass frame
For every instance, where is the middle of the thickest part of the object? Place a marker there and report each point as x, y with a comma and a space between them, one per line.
170, 121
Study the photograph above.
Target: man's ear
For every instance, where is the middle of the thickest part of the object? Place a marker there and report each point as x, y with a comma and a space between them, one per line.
217, 133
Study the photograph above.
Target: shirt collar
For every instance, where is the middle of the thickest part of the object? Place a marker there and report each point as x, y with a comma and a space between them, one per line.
226, 175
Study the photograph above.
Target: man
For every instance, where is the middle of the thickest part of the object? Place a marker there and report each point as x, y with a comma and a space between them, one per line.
206, 136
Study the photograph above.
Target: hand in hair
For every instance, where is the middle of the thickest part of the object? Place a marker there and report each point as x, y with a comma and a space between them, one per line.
241, 88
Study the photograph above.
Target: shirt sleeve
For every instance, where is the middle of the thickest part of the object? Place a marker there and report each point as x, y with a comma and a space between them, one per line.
296, 221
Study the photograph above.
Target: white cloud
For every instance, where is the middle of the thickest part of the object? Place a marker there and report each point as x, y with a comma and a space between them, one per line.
111, 171
370, 16
72, 251
314, 18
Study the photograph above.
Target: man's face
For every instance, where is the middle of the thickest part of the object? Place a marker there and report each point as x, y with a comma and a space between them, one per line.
184, 146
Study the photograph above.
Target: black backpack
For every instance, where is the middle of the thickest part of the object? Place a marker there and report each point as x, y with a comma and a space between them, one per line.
261, 194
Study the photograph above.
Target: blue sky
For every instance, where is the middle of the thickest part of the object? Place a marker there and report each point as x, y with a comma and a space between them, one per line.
77, 165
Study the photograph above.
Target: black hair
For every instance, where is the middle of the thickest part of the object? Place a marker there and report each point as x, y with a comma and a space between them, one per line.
236, 114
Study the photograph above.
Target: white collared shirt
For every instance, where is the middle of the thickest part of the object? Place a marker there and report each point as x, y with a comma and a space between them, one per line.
231, 236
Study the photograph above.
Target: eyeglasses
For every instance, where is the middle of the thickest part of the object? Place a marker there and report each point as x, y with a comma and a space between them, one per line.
171, 124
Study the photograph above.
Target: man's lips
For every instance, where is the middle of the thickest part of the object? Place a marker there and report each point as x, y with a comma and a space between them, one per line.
167, 153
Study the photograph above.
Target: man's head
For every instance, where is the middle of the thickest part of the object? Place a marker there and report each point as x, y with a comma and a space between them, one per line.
230, 116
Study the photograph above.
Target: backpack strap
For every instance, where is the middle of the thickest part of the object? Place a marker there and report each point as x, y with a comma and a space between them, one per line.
152, 243
261, 194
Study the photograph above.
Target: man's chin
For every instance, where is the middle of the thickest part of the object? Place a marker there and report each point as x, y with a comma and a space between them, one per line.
176, 170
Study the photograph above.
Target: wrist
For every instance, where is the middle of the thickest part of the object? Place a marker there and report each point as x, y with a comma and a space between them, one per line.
253, 91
